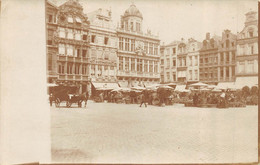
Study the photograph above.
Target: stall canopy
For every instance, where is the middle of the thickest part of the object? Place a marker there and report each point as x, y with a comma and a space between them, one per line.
226, 85
246, 81
180, 88
105, 85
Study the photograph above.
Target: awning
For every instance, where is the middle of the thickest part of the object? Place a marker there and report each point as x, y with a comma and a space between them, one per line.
105, 85
246, 81
226, 85
180, 88
78, 20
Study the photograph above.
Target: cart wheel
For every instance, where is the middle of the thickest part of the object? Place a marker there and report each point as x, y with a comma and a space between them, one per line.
57, 102
68, 104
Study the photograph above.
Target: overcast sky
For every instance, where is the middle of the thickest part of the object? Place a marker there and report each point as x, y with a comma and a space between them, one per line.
176, 19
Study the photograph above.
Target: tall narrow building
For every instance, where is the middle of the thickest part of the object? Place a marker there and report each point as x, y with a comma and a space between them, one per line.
102, 50
247, 52
138, 52
67, 44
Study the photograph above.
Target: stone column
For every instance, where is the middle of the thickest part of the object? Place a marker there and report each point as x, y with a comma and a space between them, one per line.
96, 71
135, 65
123, 63
218, 74
230, 73
130, 67
246, 71
123, 43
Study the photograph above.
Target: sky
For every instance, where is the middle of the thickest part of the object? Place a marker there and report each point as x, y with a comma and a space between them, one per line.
176, 19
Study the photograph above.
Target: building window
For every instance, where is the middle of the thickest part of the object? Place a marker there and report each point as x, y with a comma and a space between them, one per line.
173, 50
227, 43
150, 66
196, 75
168, 62
132, 45
132, 64
93, 38
69, 50
174, 63
233, 56
195, 60
155, 66
78, 35
70, 34
184, 62
50, 19
155, 50
69, 68
120, 43
99, 70
150, 48
61, 49
250, 66
77, 52
120, 63
227, 57
84, 69
252, 49
227, 72
132, 26
251, 34
127, 44
126, 63
49, 42
106, 55
168, 76
138, 27
77, 68
162, 62
62, 33
190, 75
70, 19
145, 66
190, 61
146, 47
84, 53
61, 69
93, 70
139, 65
106, 41
78, 20
85, 37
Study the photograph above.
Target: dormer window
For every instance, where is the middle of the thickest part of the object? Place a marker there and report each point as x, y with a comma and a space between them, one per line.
78, 20
70, 19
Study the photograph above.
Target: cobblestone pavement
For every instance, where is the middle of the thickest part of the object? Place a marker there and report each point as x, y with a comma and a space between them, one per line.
126, 133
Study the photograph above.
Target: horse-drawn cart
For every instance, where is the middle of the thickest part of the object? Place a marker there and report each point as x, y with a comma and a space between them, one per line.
68, 95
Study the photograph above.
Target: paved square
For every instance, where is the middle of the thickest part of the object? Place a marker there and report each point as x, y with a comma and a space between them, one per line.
126, 133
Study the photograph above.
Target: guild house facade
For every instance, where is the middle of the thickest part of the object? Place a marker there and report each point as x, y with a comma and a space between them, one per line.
103, 49
247, 52
138, 52
67, 45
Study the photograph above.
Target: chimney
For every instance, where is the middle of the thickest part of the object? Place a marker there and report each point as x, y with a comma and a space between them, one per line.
207, 36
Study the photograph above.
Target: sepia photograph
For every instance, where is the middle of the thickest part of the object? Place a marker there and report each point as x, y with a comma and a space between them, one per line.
129, 81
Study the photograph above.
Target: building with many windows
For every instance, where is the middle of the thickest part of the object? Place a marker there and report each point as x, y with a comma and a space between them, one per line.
193, 60
226, 58
168, 54
208, 64
138, 52
103, 49
247, 52
67, 44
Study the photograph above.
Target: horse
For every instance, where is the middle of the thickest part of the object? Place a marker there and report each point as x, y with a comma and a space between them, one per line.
84, 97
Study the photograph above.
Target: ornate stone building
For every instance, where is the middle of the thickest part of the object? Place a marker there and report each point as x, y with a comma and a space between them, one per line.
67, 44
247, 52
103, 49
208, 64
182, 52
138, 52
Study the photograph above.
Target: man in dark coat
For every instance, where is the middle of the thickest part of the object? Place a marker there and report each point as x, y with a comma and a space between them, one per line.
144, 98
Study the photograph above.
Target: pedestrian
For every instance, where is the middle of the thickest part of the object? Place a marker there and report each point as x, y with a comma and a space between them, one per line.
51, 98
195, 99
86, 99
144, 98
